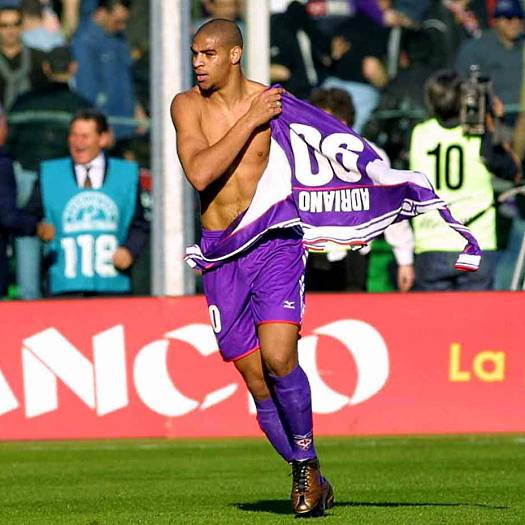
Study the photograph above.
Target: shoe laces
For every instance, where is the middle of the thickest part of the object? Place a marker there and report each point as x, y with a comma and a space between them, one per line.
300, 471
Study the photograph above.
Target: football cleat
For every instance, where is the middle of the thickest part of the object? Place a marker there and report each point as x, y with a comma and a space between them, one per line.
311, 494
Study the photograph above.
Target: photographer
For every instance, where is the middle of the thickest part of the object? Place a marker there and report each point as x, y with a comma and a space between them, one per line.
459, 155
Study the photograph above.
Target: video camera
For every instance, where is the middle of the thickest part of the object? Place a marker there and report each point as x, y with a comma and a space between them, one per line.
476, 94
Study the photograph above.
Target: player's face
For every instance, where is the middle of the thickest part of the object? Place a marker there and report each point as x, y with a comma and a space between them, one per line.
85, 142
211, 61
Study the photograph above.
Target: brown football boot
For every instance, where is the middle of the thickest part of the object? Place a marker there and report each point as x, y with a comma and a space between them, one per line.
311, 493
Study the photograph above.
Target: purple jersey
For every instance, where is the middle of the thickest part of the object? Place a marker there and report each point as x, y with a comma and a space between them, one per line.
327, 178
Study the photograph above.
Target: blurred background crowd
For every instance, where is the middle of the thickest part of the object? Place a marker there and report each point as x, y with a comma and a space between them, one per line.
434, 85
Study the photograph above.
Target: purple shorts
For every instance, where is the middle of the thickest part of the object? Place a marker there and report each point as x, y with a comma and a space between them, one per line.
264, 284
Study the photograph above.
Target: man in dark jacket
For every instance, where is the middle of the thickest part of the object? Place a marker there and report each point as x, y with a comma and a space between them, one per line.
298, 50
12, 220
20, 66
52, 104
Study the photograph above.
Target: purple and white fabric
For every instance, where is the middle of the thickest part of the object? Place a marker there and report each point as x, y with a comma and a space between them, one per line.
326, 178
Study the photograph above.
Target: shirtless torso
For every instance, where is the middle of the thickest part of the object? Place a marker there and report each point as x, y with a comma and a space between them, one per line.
223, 135
229, 195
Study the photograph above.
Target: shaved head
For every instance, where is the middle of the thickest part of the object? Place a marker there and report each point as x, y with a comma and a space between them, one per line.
226, 32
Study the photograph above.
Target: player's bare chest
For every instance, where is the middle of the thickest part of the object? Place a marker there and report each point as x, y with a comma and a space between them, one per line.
216, 124
217, 121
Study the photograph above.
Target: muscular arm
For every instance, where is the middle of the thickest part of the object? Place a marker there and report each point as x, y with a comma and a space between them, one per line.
204, 163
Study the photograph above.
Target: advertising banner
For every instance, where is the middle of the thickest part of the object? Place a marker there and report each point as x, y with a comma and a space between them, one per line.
378, 364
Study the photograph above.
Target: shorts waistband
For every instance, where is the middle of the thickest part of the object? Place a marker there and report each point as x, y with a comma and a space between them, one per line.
211, 234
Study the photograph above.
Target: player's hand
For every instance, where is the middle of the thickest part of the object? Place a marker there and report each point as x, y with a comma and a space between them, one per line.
265, 106
405, 277
122, 258
45, 231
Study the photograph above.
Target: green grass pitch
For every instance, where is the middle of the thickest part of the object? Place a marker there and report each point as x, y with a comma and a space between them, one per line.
417, 480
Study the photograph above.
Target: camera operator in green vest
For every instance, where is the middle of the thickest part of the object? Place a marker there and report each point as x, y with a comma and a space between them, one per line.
93, 218
460, 149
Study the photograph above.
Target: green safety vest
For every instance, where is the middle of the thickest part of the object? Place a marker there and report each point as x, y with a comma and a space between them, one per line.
453, 163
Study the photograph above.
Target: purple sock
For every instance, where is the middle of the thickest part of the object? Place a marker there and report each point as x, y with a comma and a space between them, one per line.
271, 424
294, 399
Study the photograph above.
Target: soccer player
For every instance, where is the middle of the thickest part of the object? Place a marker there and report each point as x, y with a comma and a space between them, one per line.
223, 142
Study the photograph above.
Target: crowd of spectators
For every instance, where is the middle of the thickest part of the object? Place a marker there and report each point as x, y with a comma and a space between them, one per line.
65, 68
373, 56
383, 53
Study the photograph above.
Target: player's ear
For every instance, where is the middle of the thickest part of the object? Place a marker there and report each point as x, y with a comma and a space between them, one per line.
235, 54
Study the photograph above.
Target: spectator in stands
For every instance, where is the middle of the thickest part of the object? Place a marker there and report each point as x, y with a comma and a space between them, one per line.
31, 144
342, 270
499, 54
331, 12
35, 140
13, 221
434, 30
105, 74
299, 51
515, 206
34, 33
452, 22
358, 49
20, 66
460, 167
428, 42
94, 217
403, 95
